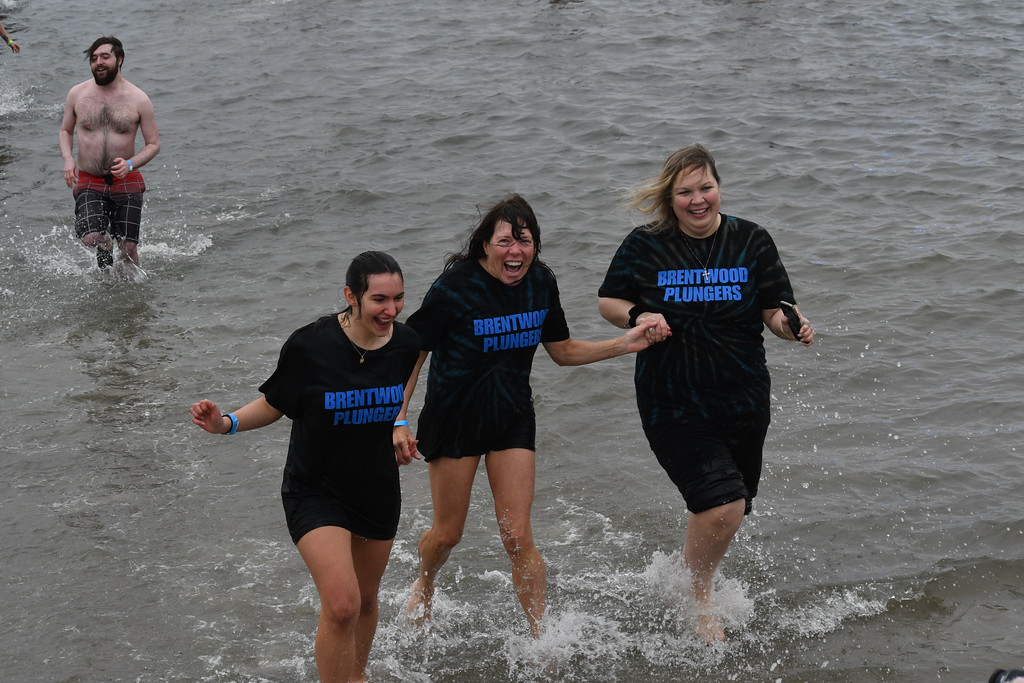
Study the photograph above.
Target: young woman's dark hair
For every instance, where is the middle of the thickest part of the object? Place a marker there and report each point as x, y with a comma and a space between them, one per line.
357, 277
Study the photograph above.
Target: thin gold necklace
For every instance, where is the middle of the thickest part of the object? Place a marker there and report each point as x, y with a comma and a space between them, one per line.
362, 354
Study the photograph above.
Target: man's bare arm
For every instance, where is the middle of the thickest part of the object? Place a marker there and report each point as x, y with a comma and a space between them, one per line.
66, 136
150, 136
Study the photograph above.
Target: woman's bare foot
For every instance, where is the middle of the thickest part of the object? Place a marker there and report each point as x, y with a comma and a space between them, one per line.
710, 628
418, 609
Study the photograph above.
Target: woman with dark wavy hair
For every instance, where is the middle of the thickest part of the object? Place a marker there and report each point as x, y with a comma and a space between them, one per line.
483, 319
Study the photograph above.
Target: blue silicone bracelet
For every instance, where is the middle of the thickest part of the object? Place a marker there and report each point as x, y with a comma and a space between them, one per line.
401, 423
234, 424
131, 166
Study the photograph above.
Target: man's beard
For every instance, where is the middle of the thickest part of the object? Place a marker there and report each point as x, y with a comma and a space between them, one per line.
109, 77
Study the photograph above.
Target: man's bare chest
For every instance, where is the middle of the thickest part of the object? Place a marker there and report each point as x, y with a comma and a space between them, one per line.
108, 114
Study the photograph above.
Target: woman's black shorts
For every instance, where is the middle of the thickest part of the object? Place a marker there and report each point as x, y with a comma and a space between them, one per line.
310, 510
520, 433
712, 462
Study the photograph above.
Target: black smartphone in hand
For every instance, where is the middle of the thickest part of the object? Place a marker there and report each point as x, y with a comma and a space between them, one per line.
792, 317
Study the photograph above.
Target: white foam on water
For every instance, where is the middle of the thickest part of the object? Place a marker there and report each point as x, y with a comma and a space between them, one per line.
826, 612
572, 641
605, 625
12, 99
125, 271
57, 253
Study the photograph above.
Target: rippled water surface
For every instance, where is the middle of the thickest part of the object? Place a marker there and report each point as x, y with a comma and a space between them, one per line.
878, 141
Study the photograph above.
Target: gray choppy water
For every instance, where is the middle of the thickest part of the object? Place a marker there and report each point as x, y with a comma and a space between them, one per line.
877, 141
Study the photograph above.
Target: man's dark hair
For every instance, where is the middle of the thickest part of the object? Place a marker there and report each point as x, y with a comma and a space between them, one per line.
106, 40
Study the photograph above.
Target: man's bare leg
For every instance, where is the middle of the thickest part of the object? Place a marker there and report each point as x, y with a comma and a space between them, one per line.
129, 251
104, 246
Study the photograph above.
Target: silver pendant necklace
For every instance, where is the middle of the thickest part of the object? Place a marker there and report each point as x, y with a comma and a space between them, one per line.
705, 264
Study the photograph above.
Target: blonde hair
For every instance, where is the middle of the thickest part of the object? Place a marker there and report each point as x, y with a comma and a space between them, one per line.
654, 197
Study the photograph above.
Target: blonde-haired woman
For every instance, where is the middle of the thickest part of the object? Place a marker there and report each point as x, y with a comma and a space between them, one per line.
711, 283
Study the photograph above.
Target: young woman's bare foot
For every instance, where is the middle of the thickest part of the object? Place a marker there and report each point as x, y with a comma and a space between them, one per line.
710, 628
418, 609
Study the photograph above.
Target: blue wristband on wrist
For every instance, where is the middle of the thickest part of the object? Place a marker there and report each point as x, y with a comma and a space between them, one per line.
401, 423
131, 166
234, 424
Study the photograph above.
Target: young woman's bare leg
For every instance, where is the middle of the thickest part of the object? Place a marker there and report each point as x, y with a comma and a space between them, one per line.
327, 552
370, 559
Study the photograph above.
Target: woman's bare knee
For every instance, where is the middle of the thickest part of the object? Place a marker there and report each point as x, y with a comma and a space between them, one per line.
445, 537
515, 540
722, 519
342, 607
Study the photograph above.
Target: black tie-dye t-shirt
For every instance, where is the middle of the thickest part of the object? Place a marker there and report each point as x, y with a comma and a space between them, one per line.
713, 365
482, 335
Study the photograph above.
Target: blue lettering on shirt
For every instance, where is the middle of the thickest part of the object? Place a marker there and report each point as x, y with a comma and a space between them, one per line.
690, 285
515, 331
364, 406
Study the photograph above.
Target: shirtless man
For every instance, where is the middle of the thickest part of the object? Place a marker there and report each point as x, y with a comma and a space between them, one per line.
107, 111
